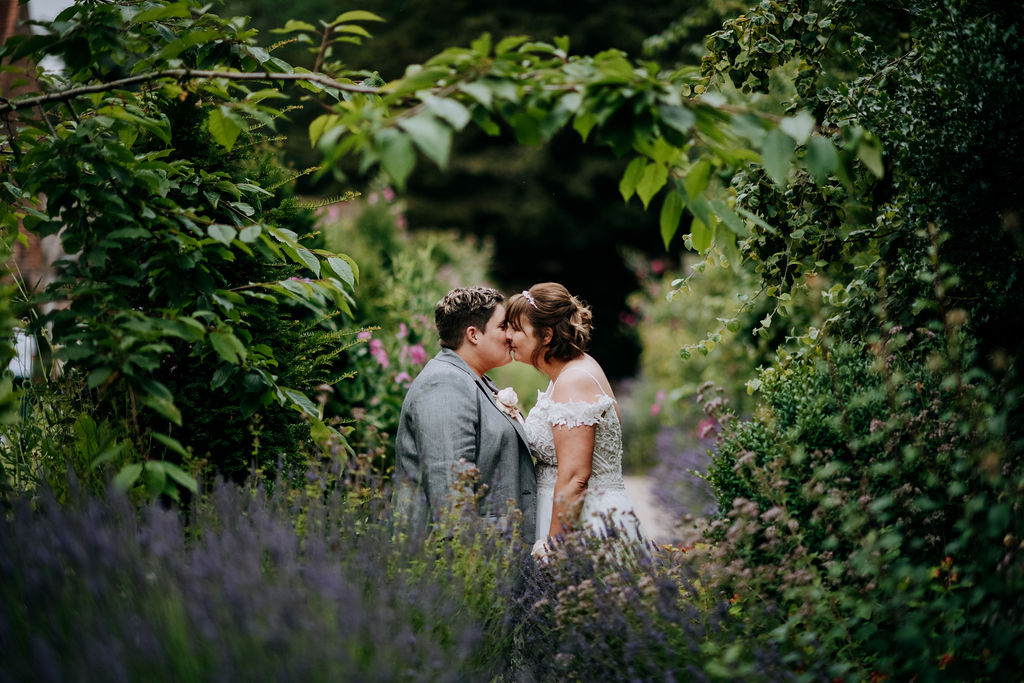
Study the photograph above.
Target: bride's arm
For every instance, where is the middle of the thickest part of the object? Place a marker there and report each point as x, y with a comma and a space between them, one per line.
574, 448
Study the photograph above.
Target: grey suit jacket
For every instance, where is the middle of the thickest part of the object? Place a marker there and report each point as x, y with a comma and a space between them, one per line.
450, 414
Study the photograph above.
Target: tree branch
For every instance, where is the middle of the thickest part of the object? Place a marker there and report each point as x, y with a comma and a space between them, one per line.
182, 74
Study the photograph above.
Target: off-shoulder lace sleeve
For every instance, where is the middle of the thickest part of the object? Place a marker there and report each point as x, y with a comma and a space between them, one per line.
576, 413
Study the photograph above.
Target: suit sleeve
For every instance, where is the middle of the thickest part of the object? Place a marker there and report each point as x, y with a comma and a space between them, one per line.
447, 433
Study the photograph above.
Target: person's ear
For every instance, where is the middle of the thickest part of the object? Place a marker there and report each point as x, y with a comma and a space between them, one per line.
472, 335
547, 336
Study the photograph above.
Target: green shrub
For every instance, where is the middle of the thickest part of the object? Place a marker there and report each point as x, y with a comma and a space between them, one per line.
874, 499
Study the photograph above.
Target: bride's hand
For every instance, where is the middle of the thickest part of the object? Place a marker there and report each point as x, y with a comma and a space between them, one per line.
542, 548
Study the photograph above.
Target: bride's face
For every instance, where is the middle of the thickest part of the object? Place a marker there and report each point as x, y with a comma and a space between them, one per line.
523, 341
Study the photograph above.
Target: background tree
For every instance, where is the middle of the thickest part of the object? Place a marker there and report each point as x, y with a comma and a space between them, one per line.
176, 318
552, 212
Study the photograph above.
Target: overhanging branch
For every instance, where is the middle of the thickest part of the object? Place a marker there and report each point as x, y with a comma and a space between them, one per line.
182, 74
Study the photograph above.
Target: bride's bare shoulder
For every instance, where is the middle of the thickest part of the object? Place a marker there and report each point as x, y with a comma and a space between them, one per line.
579, 384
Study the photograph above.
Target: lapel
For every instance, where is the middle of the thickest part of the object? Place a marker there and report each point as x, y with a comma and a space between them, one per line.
486, 385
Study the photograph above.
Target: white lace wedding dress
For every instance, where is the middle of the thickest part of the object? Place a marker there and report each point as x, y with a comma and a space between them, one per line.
606, 497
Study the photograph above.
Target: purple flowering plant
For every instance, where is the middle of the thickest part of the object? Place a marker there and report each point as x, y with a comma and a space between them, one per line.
316, 578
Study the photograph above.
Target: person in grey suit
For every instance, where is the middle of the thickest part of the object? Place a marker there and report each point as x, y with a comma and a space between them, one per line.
452, 419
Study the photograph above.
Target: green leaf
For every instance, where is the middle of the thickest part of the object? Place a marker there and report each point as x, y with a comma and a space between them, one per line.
508, 44
671, 212
396, 153
679, 118
869, 151
583, 123
342, 270
355, 29
304, 257
176, 47
749, 215
224, 126
228, 347
158, 127
181, 477
451, 111
417, 78
482, 45
176, 10
697, 179
108, 454
630, 179
432, 136
798, 127
163, 406
356, 15
301, 401
700, 208
821, 159
250, 233
652, 180
98, 377
294, 25
726, 243
171, 443
224, 234
700, 235
729, 217
478, 91
156, 477
776, 155
527, 128
127, 477
320, 125
353, 265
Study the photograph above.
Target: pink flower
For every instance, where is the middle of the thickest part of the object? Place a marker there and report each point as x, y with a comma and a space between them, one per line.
706, 427
372, 198
627, 318
403, 331
657, 266
389, 194
377, 351
403, 377
400, 221
655, 409
660, 396
417, 354
364, 335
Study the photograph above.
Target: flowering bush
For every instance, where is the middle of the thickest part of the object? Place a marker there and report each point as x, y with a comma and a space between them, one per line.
873, 504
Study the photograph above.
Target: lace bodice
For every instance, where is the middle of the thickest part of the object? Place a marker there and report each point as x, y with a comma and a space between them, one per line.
606, 468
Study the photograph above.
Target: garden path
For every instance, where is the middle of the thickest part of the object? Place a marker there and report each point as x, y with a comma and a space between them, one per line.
656, 521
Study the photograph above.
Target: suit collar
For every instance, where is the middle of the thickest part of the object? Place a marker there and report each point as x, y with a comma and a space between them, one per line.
485, 383
449, 356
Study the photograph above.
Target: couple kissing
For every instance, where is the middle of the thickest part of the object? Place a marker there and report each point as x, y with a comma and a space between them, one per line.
561, 465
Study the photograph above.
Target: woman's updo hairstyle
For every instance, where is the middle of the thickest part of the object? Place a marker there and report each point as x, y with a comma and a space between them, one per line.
549, 305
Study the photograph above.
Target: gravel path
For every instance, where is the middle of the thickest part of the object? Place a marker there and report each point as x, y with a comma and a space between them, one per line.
656, 523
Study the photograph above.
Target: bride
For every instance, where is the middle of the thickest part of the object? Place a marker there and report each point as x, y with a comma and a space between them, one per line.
574, 429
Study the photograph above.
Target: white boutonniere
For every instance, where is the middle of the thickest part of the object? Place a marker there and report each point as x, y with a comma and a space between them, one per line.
508, 403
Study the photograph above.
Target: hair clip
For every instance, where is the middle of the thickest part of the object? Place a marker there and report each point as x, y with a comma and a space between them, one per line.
529, 297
